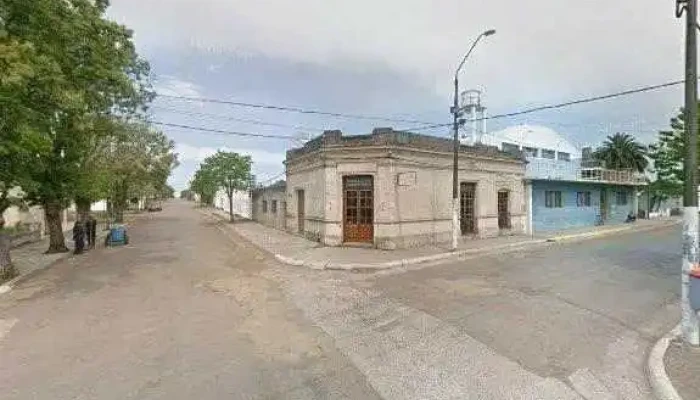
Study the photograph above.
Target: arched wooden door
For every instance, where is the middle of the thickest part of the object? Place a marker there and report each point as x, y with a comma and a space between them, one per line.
358, 209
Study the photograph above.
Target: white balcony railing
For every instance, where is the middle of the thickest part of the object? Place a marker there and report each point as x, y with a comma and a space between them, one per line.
611, 175
575, 170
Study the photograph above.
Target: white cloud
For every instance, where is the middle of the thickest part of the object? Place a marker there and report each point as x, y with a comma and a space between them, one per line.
543, 48
173, 86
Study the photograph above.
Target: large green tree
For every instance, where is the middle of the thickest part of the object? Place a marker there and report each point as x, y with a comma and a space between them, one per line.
74, 67
622, 151
204, 184
229, 171
667, 155
138, 161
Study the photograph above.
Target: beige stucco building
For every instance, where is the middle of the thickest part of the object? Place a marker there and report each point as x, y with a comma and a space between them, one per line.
269, 205
393, 189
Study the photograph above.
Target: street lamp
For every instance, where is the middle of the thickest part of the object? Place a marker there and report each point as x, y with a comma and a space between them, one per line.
455, 126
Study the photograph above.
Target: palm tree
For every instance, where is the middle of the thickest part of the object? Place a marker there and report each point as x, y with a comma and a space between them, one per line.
622, 151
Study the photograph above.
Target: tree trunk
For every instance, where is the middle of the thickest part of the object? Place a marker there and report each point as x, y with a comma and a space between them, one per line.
119, 214
230, 207
120, 202
57, 242
7, 269
82, 207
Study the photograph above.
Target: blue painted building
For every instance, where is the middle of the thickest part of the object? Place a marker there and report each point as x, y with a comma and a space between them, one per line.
559, 205
565, 188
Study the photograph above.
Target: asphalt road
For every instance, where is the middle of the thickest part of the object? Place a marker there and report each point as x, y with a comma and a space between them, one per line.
584, 313
190, 310
183, 312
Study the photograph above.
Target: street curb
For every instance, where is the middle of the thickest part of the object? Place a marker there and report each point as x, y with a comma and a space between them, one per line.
588, 235
9, 285
330, 265
656, 370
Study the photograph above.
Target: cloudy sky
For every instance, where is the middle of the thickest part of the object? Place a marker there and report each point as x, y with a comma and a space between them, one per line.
395, 59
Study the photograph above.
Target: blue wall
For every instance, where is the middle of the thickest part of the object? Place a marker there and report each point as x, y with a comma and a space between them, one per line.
572, 216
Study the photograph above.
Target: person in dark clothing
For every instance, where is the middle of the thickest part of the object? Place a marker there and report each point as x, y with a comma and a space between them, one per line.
88, 236
93, 231
79, 236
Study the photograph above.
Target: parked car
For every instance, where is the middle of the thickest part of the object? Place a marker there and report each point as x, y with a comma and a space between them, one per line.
155, 206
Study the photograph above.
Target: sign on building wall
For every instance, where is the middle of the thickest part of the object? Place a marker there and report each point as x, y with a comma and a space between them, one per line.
406, 178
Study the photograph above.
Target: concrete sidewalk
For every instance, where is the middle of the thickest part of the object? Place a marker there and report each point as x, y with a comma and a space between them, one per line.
30, 258
295, 250
596, 231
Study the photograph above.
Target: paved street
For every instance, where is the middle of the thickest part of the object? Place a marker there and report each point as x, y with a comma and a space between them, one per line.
181, 313
556, 321
584, 313
190, 310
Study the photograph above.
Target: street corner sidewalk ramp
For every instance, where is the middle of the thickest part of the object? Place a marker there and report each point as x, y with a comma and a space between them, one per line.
656, 369
352, 259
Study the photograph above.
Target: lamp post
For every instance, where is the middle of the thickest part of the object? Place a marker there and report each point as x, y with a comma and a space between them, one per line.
455, 126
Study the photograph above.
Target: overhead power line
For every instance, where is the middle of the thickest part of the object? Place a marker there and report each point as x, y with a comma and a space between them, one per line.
295, 109
236, 119
424, 125
584, 100
223, 132
562, 105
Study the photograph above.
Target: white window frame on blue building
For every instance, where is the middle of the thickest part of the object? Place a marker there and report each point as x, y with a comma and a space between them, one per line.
553, 199
583, 199
621, 198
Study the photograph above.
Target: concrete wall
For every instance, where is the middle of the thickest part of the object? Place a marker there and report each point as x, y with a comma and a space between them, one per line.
33, 218
311, 179
275, 218
572, 216
412, 194
241, 202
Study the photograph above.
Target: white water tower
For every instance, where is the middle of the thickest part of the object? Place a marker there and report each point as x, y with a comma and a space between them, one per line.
471, 105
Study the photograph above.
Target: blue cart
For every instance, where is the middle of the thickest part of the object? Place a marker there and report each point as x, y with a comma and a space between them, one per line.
117, 236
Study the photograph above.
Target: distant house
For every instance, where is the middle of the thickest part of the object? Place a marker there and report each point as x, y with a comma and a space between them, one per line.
240, 200
269, 205
565, 187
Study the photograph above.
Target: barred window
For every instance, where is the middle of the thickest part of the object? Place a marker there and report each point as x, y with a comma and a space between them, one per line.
583, 199
552, 199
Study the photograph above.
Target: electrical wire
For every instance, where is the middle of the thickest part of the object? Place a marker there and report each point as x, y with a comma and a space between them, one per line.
295, 109
565, 104
223, 132
584, 100
424, 126
243, 120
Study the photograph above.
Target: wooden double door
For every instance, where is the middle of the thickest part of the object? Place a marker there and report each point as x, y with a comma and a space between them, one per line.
467, 209
358, 209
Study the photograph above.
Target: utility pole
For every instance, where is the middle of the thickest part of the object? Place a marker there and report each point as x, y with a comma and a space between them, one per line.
689, 319
455, 167
455, 126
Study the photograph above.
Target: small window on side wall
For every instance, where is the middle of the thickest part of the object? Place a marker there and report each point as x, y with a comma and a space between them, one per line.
274, 206
510, 148
621, 198
553, 199
530, 151
264, 206
583, 199
550, 154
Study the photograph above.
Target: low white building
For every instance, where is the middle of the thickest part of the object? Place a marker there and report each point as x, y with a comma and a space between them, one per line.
241, 202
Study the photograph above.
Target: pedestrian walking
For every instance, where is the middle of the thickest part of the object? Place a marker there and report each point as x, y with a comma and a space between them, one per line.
93, 231
79, 236
88, 236
7, 270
